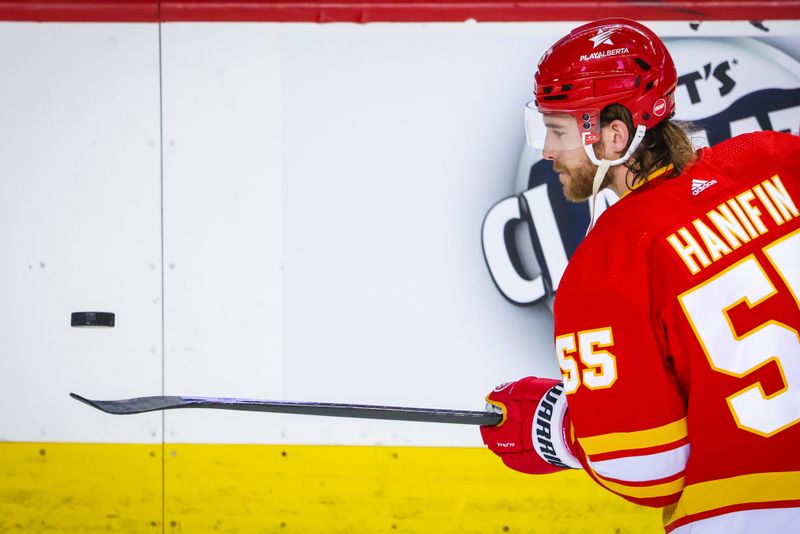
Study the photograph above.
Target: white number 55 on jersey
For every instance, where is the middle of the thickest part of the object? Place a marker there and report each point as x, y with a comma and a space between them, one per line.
706, 306
601, 365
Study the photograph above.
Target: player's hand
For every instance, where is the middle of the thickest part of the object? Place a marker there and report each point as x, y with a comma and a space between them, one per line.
513, 439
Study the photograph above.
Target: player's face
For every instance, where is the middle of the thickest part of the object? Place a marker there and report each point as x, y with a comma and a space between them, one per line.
558, 137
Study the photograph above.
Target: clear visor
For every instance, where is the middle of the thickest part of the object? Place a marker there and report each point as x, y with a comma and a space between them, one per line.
555, 132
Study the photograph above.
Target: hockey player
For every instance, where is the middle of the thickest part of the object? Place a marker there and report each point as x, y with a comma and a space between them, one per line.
677, 319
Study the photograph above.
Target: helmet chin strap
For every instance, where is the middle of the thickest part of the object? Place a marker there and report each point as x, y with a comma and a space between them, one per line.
602, 168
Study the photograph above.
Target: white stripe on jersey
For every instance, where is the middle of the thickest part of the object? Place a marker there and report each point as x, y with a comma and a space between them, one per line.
644, 468
777, 520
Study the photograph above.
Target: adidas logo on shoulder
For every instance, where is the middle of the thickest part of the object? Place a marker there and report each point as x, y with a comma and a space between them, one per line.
698, 186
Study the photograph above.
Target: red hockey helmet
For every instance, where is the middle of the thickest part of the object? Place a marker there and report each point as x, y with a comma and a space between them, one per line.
611, 61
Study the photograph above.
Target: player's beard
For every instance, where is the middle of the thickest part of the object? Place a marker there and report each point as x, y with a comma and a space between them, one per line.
578, 186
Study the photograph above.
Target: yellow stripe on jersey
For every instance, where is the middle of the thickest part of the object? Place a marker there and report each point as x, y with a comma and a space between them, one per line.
715, 494
642, 439
644, 492
658, 172
653, 175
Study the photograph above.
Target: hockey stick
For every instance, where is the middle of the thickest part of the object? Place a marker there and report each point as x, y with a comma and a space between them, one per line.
363, 411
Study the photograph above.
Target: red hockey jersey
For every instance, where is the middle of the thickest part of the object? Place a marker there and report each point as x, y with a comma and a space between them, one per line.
676, 328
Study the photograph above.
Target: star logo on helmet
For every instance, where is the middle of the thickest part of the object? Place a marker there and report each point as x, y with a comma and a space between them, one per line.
602, 37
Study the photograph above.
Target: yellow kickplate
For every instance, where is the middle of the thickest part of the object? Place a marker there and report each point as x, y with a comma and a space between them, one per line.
80, 487
335, 489
65, 488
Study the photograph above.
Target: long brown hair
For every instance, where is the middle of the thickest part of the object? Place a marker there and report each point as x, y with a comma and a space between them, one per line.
667, 142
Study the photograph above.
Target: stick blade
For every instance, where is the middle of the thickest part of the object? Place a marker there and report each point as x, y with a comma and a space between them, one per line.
131, 406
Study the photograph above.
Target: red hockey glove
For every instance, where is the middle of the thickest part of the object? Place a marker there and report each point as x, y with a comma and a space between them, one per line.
533, 436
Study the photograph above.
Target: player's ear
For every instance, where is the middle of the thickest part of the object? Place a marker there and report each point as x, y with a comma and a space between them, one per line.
616, 137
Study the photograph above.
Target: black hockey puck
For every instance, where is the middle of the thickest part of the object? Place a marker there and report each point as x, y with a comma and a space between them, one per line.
92, 319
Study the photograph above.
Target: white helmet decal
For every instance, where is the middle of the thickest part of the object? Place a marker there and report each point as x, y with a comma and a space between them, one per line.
603, 37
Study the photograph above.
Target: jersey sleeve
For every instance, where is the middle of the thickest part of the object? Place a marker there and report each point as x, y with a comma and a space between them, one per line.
627, 408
